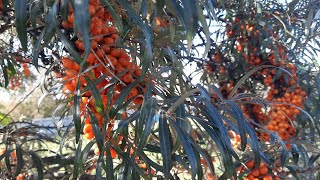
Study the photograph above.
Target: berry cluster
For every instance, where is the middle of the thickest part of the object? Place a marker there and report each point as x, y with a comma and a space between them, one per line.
105, 63
280, 87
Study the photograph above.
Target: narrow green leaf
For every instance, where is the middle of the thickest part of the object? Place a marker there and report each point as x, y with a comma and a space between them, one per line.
96, 94
238, 115
76, 111
96, 131
37, 162
118, 104
223, 148
205, 28
165, 145
51, 23
126, 158
82, 23
77, 159
20, 9
84, 153
98, 174
64, 8
312, 159
147, 118
20, 161
7, 160
109, 162
205, 156
37, 48
293, 171
34, 12
70, 47
187, 148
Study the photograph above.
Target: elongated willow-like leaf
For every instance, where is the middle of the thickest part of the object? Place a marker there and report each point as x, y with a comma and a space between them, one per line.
51, 23
37, 162
96, 94
222, 146
188, 16
77, 159
64, 9
165, 145
193, 161
20, 9
76, 111
238, 115
82, 23
96, 131
20, 161
118, 104
84, 153
146, 122
37, 48
205, 28
98, 174
109, 162
69, 47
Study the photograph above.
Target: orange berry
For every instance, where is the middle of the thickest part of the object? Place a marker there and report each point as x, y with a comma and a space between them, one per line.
267, 177
100, 53
89, 135
69, 87
250, 176
250, 164
255, 172
138, 101
263, 170
100, 12
87, 128
92, 10
108, 40
115, 53
138, 72
94, 44
124, 62
127, 78
106, 48
112, 29
143, 166
113, 153
112, 60
67, 63
114, 36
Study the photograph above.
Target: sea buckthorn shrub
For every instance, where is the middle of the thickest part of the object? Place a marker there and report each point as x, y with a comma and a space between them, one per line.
163, 89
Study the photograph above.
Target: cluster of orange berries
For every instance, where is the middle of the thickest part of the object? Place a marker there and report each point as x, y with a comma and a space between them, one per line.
105, 62
263, 172
282, 89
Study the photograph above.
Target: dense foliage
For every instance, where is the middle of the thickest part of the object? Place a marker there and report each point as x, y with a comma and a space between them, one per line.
164, 89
